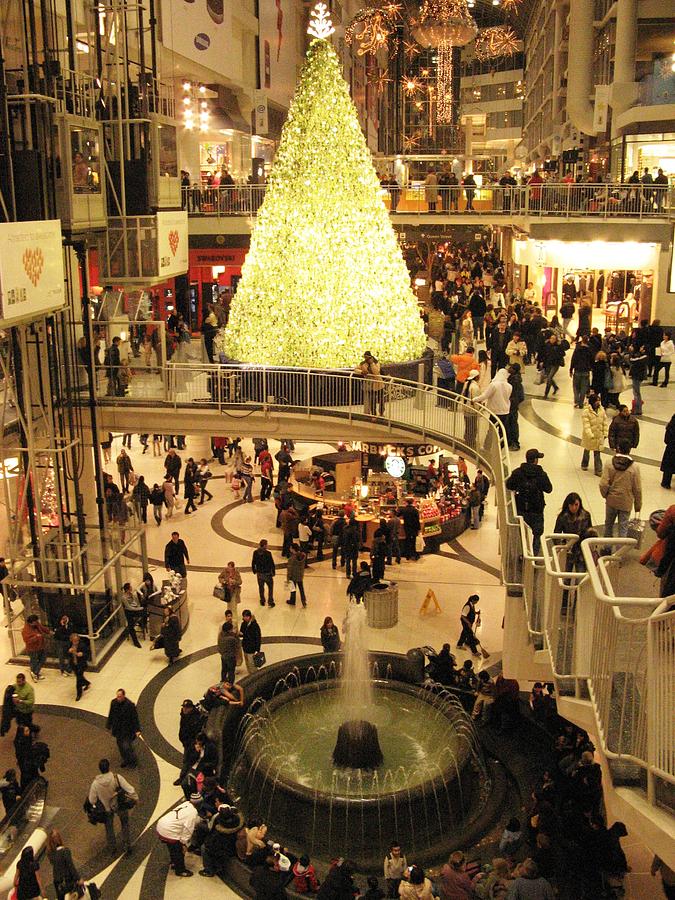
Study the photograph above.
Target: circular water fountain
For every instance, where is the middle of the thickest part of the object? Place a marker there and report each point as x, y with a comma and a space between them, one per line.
342, 766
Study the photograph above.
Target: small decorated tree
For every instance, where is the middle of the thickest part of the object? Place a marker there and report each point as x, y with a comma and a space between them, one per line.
324, 278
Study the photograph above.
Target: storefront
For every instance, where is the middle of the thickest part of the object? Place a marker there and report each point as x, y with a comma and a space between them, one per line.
607, 273
377, 479
637, 152
213, 277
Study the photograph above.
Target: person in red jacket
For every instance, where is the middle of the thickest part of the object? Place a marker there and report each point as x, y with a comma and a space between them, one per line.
33, 634
304, 876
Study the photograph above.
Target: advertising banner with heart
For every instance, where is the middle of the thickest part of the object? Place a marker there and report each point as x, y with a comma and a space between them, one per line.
31, 270
172, 243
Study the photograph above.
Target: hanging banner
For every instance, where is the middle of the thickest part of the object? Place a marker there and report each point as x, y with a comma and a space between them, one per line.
601, 108
31, 270
261, 116
172, 243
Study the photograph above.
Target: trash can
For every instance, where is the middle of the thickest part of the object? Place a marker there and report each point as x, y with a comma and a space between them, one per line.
381, 601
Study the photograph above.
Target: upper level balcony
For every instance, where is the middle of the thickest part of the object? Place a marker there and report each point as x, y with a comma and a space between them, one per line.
615, 202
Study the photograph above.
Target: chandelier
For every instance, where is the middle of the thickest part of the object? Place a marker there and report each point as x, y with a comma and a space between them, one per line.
443, 25
440, 25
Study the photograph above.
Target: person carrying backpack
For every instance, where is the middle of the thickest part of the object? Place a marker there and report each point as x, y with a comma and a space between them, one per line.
529, 482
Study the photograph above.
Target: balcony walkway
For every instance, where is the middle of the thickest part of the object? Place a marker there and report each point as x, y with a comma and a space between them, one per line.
494, 204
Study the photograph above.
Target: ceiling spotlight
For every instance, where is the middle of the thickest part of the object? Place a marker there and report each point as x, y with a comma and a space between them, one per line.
187, 86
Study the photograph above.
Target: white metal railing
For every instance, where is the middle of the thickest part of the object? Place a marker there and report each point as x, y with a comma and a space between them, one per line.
533, 587
631, 683
77, 93
434, 414
568, 622
598, 201
616, 651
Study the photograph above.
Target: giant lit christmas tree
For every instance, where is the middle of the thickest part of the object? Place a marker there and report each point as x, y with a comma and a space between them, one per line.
324, 278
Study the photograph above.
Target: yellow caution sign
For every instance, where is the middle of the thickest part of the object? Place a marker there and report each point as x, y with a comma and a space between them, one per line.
428, 600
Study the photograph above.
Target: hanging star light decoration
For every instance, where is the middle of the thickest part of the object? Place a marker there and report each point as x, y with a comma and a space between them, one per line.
495, 42
411, 50
370, 29
379, 80
510, 4
412, 141
411, 84
393, 10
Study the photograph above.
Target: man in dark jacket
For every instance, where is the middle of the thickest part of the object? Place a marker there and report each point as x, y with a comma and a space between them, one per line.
125, 728
529, 483
654, 338
172, 465
624, 427
220, 845
251, 639
517, 397
176, 555
262, 566
551, 358
477, 308
351, 543
189, 728
114, 363
360, 583
336, 532
499, 339
580, 370
411, 527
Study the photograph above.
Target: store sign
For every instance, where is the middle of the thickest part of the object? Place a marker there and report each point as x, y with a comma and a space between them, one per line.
228, 256
395, 466
261, 117
31, 270
408, 451
172, 243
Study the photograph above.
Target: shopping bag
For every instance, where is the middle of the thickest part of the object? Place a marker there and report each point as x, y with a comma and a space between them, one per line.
419, 544
259, 659
635, 530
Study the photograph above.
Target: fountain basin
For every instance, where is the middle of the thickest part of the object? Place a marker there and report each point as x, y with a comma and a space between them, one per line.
432, 781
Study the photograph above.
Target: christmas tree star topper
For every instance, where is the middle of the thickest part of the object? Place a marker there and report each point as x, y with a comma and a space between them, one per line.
320, 25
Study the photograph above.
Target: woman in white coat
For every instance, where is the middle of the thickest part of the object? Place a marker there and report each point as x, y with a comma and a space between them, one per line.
594, 432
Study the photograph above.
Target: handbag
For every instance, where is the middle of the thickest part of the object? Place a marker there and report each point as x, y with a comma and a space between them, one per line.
122, 800
635, 530
259, 659
219, 592
95, 812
